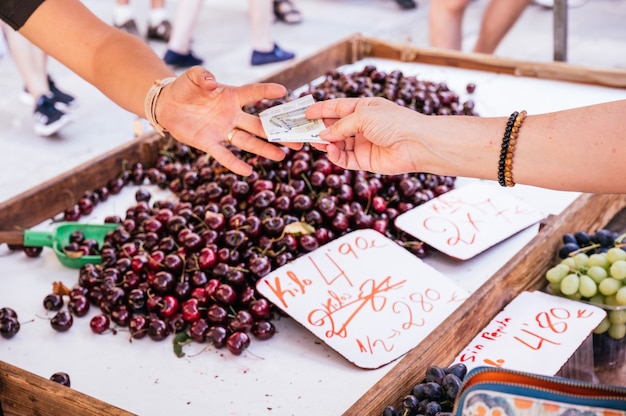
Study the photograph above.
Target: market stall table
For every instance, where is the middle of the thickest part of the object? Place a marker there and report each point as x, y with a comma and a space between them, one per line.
295, 373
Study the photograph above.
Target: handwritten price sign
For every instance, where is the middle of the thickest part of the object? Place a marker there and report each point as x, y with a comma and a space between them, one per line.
536, 332
365, 296
466, 221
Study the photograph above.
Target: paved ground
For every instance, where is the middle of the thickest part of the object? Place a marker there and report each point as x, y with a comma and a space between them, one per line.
597, 35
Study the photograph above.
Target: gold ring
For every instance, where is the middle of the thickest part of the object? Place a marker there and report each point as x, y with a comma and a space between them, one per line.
230, 136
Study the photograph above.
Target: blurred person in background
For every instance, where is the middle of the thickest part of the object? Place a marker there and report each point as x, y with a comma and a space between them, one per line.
264, 49
285, 11
49, 103
159, 27
445, 21
179, 52
193, 107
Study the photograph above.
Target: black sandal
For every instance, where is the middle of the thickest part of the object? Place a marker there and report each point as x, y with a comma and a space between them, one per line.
286, 12
406, 4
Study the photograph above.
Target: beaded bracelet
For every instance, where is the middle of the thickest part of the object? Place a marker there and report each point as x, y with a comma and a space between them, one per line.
150, 102
509, 141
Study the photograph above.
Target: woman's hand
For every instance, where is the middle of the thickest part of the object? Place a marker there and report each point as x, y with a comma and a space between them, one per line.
202, 113
372, 134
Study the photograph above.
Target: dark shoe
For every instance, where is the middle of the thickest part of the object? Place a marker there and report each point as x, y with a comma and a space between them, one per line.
62, 100
277, 55
406, 4
47, 118
160, 32
286, 12
129, 26
183, 61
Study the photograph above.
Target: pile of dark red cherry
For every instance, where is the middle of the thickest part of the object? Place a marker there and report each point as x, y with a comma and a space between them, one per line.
189, 268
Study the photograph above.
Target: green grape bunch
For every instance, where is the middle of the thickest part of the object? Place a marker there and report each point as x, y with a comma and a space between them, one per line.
594, 272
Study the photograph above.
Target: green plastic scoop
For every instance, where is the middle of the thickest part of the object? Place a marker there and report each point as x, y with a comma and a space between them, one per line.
60, 238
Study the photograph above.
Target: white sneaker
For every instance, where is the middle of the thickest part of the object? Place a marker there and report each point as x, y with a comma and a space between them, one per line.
47, 119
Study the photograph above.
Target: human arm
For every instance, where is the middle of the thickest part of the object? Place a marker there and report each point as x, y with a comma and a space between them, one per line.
195, 109
580, 149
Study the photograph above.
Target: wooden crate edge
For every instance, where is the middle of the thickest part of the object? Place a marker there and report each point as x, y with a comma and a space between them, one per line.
523, 272
24, 394
51, 197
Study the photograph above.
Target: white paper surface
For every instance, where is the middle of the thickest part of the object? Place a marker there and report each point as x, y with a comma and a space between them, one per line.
468, 220
365, 296
536, 332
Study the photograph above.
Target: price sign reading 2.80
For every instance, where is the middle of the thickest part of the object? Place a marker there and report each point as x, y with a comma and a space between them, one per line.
364, 296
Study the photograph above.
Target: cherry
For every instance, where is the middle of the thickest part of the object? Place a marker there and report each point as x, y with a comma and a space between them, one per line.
120, 314
61, 378
53, 302
78, 305
260, 308
9, 326
170, 306
100, 323
225, 294
32, 251
158, 329
217, 336
263, 330
207, 258
62, 321
198, 330
242, 321
190, 310
216, 314
237, 342
138, 326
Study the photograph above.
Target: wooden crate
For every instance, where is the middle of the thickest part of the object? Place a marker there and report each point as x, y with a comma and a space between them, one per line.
22, 393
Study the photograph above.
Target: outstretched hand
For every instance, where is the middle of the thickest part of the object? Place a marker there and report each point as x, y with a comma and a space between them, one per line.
371, 134
204, 114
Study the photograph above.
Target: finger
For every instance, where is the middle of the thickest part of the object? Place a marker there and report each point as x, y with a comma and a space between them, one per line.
229, 160
251, 93
250, 143
251, 124
202, 77
336, 108
342, 129
336, 156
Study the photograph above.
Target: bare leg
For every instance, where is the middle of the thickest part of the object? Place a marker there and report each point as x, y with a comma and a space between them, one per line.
261, 19
31, 62
445, 20
122, 12
498, 18
158, 12
185, 19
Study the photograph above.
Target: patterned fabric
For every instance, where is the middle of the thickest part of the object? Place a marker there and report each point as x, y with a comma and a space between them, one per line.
488, 403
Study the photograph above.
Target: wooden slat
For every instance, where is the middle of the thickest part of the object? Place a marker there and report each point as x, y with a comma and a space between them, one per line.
523, 272
304, 71
560, 71
26, 394
53, 196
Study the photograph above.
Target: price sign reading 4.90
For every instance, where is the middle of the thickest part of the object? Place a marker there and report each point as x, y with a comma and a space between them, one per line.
365, 296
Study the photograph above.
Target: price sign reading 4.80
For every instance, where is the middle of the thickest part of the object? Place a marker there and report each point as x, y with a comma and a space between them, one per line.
365, 296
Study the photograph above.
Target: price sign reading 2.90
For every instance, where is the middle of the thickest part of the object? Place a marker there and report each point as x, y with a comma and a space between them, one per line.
365, 296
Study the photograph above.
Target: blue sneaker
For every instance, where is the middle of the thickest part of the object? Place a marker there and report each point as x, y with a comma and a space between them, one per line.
179, 60
62, 100
276, 55
47, 118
